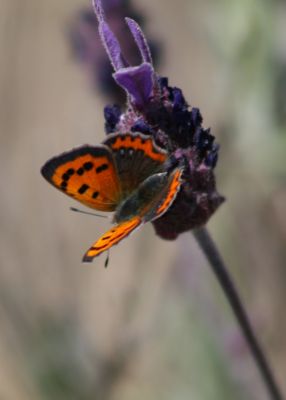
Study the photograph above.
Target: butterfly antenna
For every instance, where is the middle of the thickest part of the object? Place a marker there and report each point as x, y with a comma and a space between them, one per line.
87, 212
107, 260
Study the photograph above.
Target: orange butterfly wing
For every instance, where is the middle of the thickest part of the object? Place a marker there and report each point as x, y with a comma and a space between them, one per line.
88, 175
112, 237
170, 193
138, 142
136, 157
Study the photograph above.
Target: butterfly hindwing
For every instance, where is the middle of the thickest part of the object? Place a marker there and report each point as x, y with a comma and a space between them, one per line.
87, 174
136, 157
162, 202
152, 198
170, 192
112, 237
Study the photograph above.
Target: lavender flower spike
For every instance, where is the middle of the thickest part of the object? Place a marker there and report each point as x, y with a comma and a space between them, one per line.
112, 46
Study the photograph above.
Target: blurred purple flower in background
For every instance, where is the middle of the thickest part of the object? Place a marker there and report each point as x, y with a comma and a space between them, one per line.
87, 47
157, 109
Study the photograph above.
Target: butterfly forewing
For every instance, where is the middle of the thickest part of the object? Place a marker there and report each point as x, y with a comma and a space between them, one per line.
136, 157
88, 175
112, 237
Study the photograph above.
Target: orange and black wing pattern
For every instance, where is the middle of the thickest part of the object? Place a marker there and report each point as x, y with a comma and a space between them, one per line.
87, 174
170, 192
136, 158
112, 237
165, 197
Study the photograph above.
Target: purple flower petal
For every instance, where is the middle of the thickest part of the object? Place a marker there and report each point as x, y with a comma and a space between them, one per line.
112, 116
141, 126
112, 46
138, 82
98, 9
108, 38
140, 40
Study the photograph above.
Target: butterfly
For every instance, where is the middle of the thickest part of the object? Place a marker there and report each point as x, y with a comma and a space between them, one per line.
125, 175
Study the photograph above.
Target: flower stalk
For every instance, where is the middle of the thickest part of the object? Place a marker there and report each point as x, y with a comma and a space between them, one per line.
220, 270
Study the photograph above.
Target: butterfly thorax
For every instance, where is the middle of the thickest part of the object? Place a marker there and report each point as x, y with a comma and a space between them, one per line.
141, 202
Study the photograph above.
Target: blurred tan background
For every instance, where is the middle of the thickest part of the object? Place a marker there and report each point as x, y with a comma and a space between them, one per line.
154, 324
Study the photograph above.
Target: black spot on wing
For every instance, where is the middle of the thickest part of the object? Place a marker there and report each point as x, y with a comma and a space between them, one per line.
65, 177
83, 189
101, 168
87, 166
70, 171
80, 171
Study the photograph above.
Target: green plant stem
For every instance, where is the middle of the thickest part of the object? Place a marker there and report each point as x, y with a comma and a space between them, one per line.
219, 268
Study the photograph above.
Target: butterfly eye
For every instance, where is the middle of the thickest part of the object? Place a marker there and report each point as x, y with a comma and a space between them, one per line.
122, 152
130, 152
